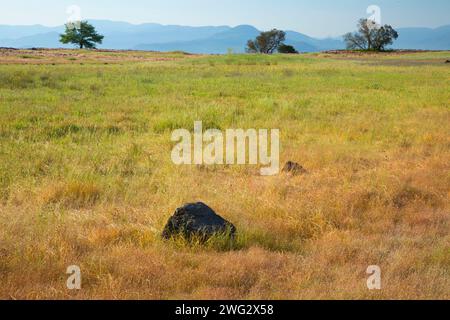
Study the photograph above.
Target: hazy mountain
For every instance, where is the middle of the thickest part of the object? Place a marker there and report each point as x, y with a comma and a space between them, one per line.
423, 38
118, 35
43, 40
209, 39
236, 40
15, 32
233, 38
307, 44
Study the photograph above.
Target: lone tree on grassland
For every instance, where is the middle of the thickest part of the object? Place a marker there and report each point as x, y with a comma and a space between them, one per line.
81, 34
267, 42
371, 36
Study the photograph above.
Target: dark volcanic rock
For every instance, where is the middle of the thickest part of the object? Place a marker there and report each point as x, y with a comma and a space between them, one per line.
197, 220
294, 168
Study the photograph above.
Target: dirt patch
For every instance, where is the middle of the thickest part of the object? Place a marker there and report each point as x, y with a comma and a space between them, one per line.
69, 56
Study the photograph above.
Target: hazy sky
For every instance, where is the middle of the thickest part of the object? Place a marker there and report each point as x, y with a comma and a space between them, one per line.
316, 18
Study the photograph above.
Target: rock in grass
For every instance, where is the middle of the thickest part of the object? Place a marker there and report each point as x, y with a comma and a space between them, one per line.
197, 220
294, 168
448, 61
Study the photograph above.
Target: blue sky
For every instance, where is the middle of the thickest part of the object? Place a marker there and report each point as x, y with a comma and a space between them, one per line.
317, 18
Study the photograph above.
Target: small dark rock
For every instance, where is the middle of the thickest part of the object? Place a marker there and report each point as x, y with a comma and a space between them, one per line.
294, 168
197, 220
448, 61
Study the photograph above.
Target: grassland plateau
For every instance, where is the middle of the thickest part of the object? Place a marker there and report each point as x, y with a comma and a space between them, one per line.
86, 176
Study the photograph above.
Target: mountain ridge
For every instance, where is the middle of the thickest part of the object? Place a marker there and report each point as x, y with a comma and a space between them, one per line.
202, 39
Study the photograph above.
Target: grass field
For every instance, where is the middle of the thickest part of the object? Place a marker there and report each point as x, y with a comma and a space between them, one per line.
86, 176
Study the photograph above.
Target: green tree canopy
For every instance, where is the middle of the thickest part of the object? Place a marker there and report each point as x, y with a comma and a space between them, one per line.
370, 36
81, 34
267, 42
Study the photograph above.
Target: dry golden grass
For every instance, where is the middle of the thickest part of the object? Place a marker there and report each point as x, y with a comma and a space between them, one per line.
86, 178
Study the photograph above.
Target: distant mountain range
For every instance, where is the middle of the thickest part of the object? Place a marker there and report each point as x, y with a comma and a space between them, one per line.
209, 39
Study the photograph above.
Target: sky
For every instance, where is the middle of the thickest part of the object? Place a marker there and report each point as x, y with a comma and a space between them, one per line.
319, 18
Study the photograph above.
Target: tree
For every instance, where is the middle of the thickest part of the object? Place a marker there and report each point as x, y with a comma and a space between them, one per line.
284, 48
267, 42
371, 36
385, 36
81, 34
